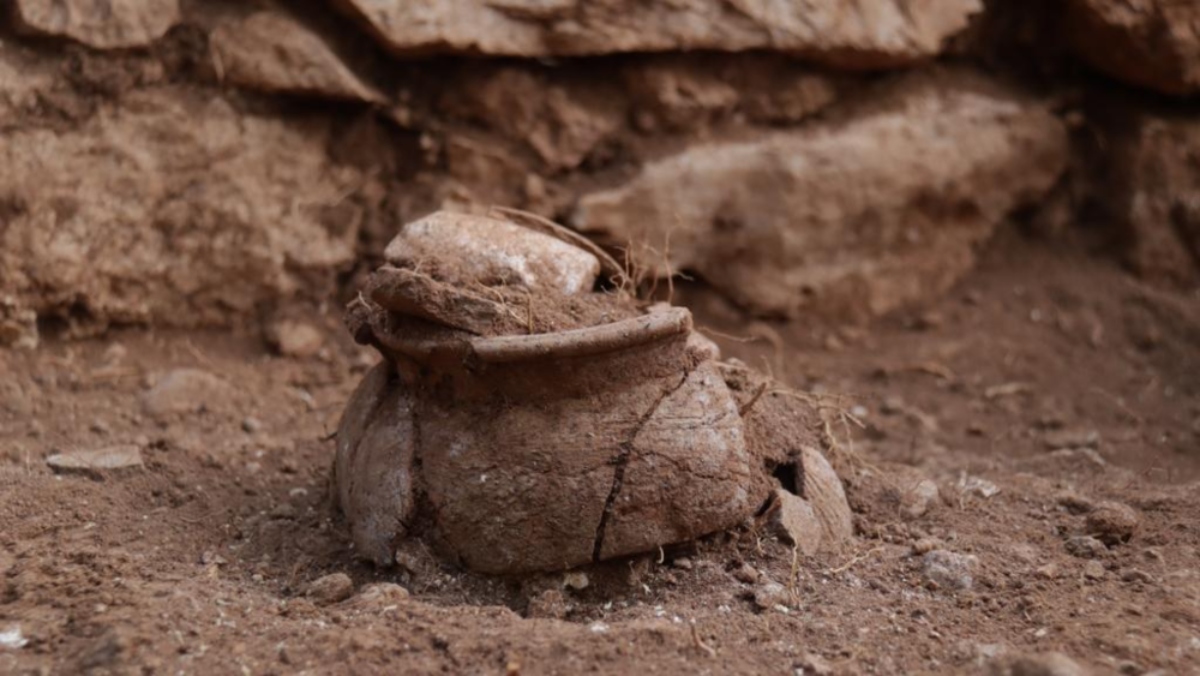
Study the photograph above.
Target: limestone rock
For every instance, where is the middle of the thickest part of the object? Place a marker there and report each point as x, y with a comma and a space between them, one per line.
102, 24
1150, 43
273, 52
172, 208
855, 217
870, 34
97, 462
492, 250
1152, 192
949, 570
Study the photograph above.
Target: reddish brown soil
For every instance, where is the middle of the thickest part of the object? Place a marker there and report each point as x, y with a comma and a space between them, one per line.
196, 564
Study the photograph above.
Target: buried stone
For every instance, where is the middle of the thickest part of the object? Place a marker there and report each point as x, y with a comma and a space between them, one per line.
530, 414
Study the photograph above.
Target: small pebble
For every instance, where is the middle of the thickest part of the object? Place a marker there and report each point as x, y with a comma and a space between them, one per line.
1086, 547
925, 545
1135, 575
1112, 523
769, 595
921, 498
1094, 570
330, 589
949, 570
577, 580
746, 573
251, 425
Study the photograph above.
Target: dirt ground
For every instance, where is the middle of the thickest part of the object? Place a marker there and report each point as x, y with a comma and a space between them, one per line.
198, 563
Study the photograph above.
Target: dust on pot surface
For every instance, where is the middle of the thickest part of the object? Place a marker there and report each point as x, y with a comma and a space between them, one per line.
612, 431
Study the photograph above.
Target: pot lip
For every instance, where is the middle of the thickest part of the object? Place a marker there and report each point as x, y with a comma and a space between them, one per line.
612, 337
654, 326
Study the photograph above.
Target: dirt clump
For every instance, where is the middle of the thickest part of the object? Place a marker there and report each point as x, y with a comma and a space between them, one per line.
520, 446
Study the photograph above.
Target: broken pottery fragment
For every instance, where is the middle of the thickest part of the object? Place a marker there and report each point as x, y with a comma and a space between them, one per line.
529, 415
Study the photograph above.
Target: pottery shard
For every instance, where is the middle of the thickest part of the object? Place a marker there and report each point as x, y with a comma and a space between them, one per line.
855, 217
687, 472
273, 52
795, 519
1150, 43
865, 34
172, 208
102, 24
374, 461
823, 490
469, 250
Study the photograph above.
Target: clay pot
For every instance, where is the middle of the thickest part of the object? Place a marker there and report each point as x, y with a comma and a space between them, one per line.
547, 451
515, 441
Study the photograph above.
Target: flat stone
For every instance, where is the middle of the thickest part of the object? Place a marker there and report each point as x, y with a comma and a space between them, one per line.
97, 462
849, 218
469, 250
273, 52
864, 34
116, 24
1149, 43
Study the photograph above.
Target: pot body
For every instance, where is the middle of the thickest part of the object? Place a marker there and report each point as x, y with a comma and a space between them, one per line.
547, 461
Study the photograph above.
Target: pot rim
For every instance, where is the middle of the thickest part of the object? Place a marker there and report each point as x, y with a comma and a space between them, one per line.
652, 327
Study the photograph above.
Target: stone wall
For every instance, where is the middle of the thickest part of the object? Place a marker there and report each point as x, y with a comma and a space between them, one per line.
200, 163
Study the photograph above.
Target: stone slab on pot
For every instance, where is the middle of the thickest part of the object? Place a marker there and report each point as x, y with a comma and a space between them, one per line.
870, 34
880, 207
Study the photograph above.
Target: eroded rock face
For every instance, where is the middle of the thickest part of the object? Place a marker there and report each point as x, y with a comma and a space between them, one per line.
1152, 191
273, 52
102, 24
1150, 43
170, 208
850, 218
515, 447
871, 34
